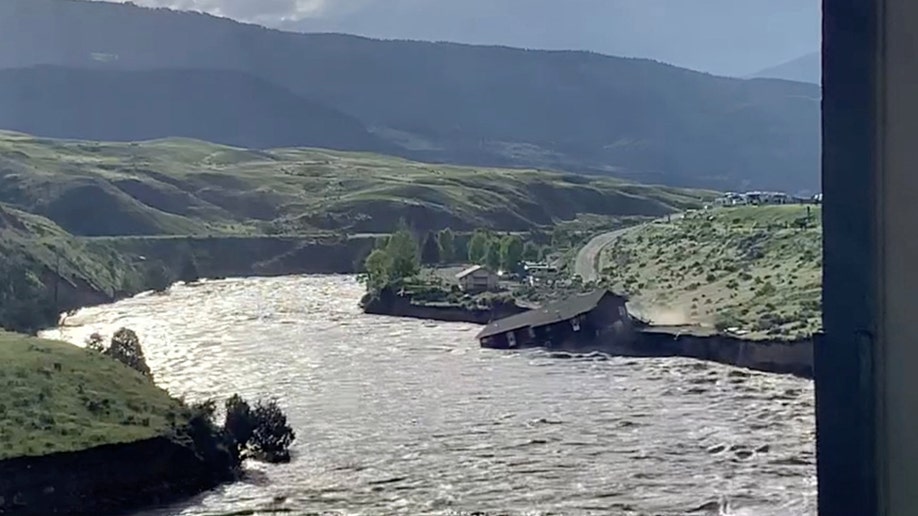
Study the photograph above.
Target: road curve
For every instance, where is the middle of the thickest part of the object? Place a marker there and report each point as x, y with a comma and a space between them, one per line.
586, 265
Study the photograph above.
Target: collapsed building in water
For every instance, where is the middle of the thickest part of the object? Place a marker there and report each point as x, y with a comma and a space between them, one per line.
600, 321
598, 316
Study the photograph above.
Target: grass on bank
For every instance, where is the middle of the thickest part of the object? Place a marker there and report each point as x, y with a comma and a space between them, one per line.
755, 268
56, 397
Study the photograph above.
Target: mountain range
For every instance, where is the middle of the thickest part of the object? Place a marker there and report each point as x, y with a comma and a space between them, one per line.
229, 107
806, 68
148, 73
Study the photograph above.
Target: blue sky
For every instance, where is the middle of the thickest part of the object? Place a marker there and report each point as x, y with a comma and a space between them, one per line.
730, 37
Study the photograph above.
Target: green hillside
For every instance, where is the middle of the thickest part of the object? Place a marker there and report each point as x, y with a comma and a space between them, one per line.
754, 269
182, 187
56, 397
234, 211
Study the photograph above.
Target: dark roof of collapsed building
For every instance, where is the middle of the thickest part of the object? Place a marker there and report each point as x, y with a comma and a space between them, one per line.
551, 313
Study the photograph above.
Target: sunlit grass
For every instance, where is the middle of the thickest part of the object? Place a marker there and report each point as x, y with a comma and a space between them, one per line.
56, 397
757, 269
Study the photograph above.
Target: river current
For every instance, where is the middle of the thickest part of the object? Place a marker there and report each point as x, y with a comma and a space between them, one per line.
398, 416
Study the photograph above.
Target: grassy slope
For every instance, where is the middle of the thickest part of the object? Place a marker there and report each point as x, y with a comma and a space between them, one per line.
745, 267
180, 186
51, 248
46, 411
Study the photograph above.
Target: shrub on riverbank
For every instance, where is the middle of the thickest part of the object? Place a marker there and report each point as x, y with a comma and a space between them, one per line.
261, 432
125, 348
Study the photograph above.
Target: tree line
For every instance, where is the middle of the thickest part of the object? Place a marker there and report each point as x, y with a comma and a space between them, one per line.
401, 255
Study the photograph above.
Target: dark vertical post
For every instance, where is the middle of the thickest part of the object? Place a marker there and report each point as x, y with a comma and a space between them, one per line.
57, 286
845, 406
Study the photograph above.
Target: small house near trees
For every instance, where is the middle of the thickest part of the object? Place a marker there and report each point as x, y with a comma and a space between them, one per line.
582, 319
477, 279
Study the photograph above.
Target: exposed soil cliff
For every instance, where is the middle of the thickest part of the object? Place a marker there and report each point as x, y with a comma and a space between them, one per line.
772, 356
109, 479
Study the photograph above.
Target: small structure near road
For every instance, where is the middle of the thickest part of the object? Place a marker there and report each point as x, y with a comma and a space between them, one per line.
477, 279
584, 318
537, 273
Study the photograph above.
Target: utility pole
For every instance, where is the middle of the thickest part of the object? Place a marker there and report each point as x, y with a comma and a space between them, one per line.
57, 283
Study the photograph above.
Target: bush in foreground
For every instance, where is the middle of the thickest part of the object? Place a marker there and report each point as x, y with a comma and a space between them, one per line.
124, 347
260, 432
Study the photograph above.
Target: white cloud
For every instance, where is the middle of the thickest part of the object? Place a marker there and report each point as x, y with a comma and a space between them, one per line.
260, 11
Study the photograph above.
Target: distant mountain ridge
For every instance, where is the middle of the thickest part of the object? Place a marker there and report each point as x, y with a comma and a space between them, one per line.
807, 68
463, 104
226, 107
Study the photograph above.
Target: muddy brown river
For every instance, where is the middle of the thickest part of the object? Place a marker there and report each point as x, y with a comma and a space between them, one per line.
407, 417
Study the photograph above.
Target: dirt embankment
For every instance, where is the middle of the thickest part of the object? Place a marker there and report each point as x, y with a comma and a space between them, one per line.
390, 303
109, 479
771, 356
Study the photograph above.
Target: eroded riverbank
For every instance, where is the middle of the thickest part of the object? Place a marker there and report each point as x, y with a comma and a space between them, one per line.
403, 416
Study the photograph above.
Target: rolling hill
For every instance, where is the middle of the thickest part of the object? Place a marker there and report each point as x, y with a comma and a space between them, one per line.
451, 103
187, 187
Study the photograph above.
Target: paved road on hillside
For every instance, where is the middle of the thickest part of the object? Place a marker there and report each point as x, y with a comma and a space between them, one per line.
586, 263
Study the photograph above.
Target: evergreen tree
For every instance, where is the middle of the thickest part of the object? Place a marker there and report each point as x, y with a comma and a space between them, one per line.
378, 267
125, 348
511, 252
430, 252
447, 243
403, 253
478, 247
492, 254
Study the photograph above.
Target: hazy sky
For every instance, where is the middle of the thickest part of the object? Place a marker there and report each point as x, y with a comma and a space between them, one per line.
733, 37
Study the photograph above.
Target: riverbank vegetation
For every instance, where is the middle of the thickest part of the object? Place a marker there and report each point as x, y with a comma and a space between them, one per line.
260, 432
755, 270
62, 404
58, 397
174, 209
424, 268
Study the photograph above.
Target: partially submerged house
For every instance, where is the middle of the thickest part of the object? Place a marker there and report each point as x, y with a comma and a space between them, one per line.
477, 279
584, 318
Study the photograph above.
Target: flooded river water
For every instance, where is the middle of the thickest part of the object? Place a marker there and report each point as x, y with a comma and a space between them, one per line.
397, 416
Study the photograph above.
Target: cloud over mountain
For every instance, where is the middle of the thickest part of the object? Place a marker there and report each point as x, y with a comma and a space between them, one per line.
261, 11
